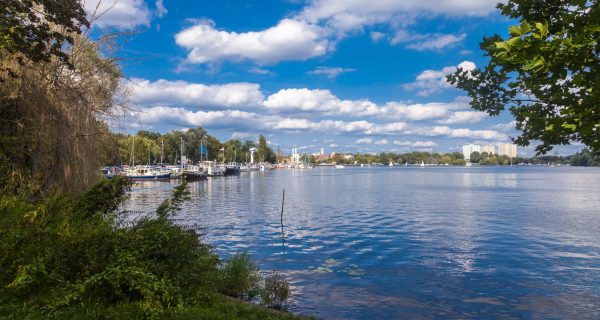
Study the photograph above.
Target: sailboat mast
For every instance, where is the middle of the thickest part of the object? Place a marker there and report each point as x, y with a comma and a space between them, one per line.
162, 149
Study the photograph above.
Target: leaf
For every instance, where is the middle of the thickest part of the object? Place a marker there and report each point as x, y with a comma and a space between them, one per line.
515, 30
502, 46
542, 28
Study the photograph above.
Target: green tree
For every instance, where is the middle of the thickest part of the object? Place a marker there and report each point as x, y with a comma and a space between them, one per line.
262, 148
38, 30
546, 72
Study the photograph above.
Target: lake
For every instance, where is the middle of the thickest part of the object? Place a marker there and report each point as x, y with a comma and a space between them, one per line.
411, 242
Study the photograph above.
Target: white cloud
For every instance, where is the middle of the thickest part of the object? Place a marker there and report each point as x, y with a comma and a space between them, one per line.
381, 142
364, 141
351, 15
422, 42
121, 14
376, 36
464, 117
307, 100
161, 11
437, 42
417, 144
429, 82
461, 133
182, 93
330, 72
289, 40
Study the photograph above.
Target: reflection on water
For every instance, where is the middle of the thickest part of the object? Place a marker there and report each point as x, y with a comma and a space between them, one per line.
408, 242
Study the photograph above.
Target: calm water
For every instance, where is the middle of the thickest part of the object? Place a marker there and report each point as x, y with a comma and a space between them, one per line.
409, 242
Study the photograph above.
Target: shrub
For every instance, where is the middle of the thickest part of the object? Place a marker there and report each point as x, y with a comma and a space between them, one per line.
240, 277
276, 291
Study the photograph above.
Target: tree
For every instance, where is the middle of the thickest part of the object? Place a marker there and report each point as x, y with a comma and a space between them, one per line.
474, 157
262, 148
38, 30
546, 72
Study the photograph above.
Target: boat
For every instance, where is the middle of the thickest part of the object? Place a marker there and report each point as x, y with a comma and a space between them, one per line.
339, 166
422, 163
232, 168
212, 169
193, 173
391, 164
244, 167
146, 173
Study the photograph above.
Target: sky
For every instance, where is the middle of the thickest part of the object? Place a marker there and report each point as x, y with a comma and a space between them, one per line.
343, 75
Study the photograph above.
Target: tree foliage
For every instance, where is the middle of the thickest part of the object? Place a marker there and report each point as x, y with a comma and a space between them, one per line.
546, 72
52, 133
37, 30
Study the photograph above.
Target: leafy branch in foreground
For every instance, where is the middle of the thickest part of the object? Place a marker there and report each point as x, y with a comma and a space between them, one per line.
173, 204
547, 73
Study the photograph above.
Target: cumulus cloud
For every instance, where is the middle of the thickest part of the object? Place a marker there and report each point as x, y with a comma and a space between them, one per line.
316, 29
352, 15
417, 144
464, 117
161, 11
376, 36
307, 100
293, 100
430, 82
244, 121
381, 142
458, 133
121, 14
289, 40
364, 141
330, 72
437, 42
182, 93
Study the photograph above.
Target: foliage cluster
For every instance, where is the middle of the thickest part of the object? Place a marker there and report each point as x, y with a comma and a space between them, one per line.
37, 30
546, 72
62, 257
153, 147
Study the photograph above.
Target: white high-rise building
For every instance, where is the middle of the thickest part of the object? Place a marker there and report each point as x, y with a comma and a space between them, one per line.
489, 149
470, 148
507, 149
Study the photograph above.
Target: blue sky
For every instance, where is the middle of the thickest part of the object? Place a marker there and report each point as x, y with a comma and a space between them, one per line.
348, 76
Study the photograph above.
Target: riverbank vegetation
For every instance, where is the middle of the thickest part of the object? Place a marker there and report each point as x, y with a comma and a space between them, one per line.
63, 252
153, 147
64, 257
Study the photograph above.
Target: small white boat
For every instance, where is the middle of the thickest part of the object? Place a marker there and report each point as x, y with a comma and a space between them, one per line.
339, 166
212, 169
146, 173
391, 164
422, 163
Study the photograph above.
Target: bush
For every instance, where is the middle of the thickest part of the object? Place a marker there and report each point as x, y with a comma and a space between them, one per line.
240, 277
58, 253
276, 291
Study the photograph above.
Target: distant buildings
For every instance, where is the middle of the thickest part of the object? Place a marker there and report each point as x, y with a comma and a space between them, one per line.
507, 149
489, 149
502, 149
470, 148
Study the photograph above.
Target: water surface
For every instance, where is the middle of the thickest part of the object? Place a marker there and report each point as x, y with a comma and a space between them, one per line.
410, 242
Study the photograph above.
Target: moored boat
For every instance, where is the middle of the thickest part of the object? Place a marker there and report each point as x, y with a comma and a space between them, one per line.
146, 173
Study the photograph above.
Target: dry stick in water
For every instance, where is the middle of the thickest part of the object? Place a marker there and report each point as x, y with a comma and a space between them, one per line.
282, 201
282, 233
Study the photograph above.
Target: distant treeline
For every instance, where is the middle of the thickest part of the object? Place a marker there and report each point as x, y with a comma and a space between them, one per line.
153, 147
582, 158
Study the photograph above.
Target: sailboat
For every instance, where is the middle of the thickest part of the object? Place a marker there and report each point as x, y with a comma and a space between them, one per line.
391, 164
422, 163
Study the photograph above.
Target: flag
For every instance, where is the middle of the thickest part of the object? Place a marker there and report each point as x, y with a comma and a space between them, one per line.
202, 150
